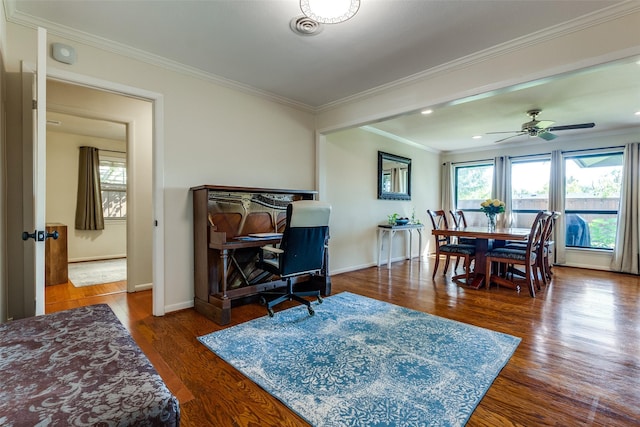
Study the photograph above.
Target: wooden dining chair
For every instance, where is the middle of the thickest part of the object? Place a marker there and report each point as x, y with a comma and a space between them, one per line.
516, 256
543, 266
445, 247
545, 248
459, 221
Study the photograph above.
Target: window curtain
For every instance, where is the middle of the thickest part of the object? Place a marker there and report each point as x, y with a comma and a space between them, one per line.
89, 203
447, 200
626, 255
501, 189
401, 180
395, 180
556, 203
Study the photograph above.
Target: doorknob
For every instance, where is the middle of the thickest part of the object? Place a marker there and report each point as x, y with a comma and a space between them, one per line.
38, 235
26, 236
55, 235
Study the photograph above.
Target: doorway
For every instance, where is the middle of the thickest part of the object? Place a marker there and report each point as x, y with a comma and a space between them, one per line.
82, 116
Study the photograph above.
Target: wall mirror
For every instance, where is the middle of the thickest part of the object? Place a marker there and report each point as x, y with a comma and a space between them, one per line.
394, 177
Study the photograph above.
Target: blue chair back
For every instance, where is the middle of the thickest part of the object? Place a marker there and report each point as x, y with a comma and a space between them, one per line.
304, 237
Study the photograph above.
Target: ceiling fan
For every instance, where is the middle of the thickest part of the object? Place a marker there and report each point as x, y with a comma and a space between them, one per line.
541, 128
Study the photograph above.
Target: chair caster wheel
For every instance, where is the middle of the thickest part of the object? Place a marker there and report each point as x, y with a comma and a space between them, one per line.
311, 311
263, 301
270, 312
320, 299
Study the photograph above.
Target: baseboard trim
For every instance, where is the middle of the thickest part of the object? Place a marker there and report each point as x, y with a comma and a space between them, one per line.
97, 258
178, 306
143, 287
352, 268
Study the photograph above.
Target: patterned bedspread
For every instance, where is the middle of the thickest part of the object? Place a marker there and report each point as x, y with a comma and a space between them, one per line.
79, 367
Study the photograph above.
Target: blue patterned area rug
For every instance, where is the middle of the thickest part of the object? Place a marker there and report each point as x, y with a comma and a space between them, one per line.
363, 362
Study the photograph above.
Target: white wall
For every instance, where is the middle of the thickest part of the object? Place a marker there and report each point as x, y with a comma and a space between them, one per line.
212, 135
62, 185
352, 190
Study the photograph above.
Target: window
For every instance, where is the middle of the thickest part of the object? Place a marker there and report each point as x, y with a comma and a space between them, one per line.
529, 190
472, 187
113, 182
592, 199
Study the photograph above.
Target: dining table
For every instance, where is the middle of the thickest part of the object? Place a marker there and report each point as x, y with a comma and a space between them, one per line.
485, 239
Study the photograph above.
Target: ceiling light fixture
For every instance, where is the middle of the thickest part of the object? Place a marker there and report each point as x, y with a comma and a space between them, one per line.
426, 112
329, 11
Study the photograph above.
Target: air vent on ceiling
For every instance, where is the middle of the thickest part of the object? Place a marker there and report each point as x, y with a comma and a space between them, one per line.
305, 26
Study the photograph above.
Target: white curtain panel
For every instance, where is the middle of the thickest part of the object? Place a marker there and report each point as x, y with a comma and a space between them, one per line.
447, 199
501, 189
556, 203
626, 254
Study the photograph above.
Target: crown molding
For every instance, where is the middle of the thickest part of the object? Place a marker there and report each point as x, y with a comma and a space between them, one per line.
16, 17
397, 138
607, 14
595, 18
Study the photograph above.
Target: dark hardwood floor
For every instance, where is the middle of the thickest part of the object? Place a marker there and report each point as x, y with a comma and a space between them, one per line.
578, 362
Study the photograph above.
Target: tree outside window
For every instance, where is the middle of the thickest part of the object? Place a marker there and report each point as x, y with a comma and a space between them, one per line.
473, 186
529, 190
113, 182
592, 199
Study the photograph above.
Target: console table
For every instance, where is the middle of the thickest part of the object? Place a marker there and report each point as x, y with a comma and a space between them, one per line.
390, 231
225, 255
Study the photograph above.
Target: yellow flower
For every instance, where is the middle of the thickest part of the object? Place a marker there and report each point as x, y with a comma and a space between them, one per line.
496, 203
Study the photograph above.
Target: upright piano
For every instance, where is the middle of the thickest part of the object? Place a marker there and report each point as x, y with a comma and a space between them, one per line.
230, 224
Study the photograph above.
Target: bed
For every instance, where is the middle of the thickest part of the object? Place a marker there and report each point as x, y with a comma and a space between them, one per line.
79, 367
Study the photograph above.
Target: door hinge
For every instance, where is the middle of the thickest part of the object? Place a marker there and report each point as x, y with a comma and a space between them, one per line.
34, 104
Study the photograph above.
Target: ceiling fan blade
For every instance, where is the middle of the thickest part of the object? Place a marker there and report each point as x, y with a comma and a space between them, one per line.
543, 124
547, 136
506, 131
512, 136
569, 127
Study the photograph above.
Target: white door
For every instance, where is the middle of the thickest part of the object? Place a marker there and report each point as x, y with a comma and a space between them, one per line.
34, 174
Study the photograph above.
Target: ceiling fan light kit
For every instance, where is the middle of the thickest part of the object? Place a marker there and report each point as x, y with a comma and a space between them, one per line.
541, 128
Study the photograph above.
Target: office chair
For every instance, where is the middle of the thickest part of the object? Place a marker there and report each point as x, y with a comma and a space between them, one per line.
301, 251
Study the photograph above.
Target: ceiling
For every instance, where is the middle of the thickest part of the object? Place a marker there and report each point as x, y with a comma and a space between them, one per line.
250, 44
77, 125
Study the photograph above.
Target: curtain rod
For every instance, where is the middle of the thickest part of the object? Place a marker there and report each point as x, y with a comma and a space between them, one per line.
524, 156
470, 161
595, 149
112, 151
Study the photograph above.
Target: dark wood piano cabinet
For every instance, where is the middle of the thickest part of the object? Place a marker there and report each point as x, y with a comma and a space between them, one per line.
224, 266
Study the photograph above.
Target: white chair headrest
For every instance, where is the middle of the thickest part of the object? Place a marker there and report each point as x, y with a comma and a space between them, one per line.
310, 213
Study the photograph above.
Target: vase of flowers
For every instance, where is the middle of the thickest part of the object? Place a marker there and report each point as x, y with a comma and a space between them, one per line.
491, 208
